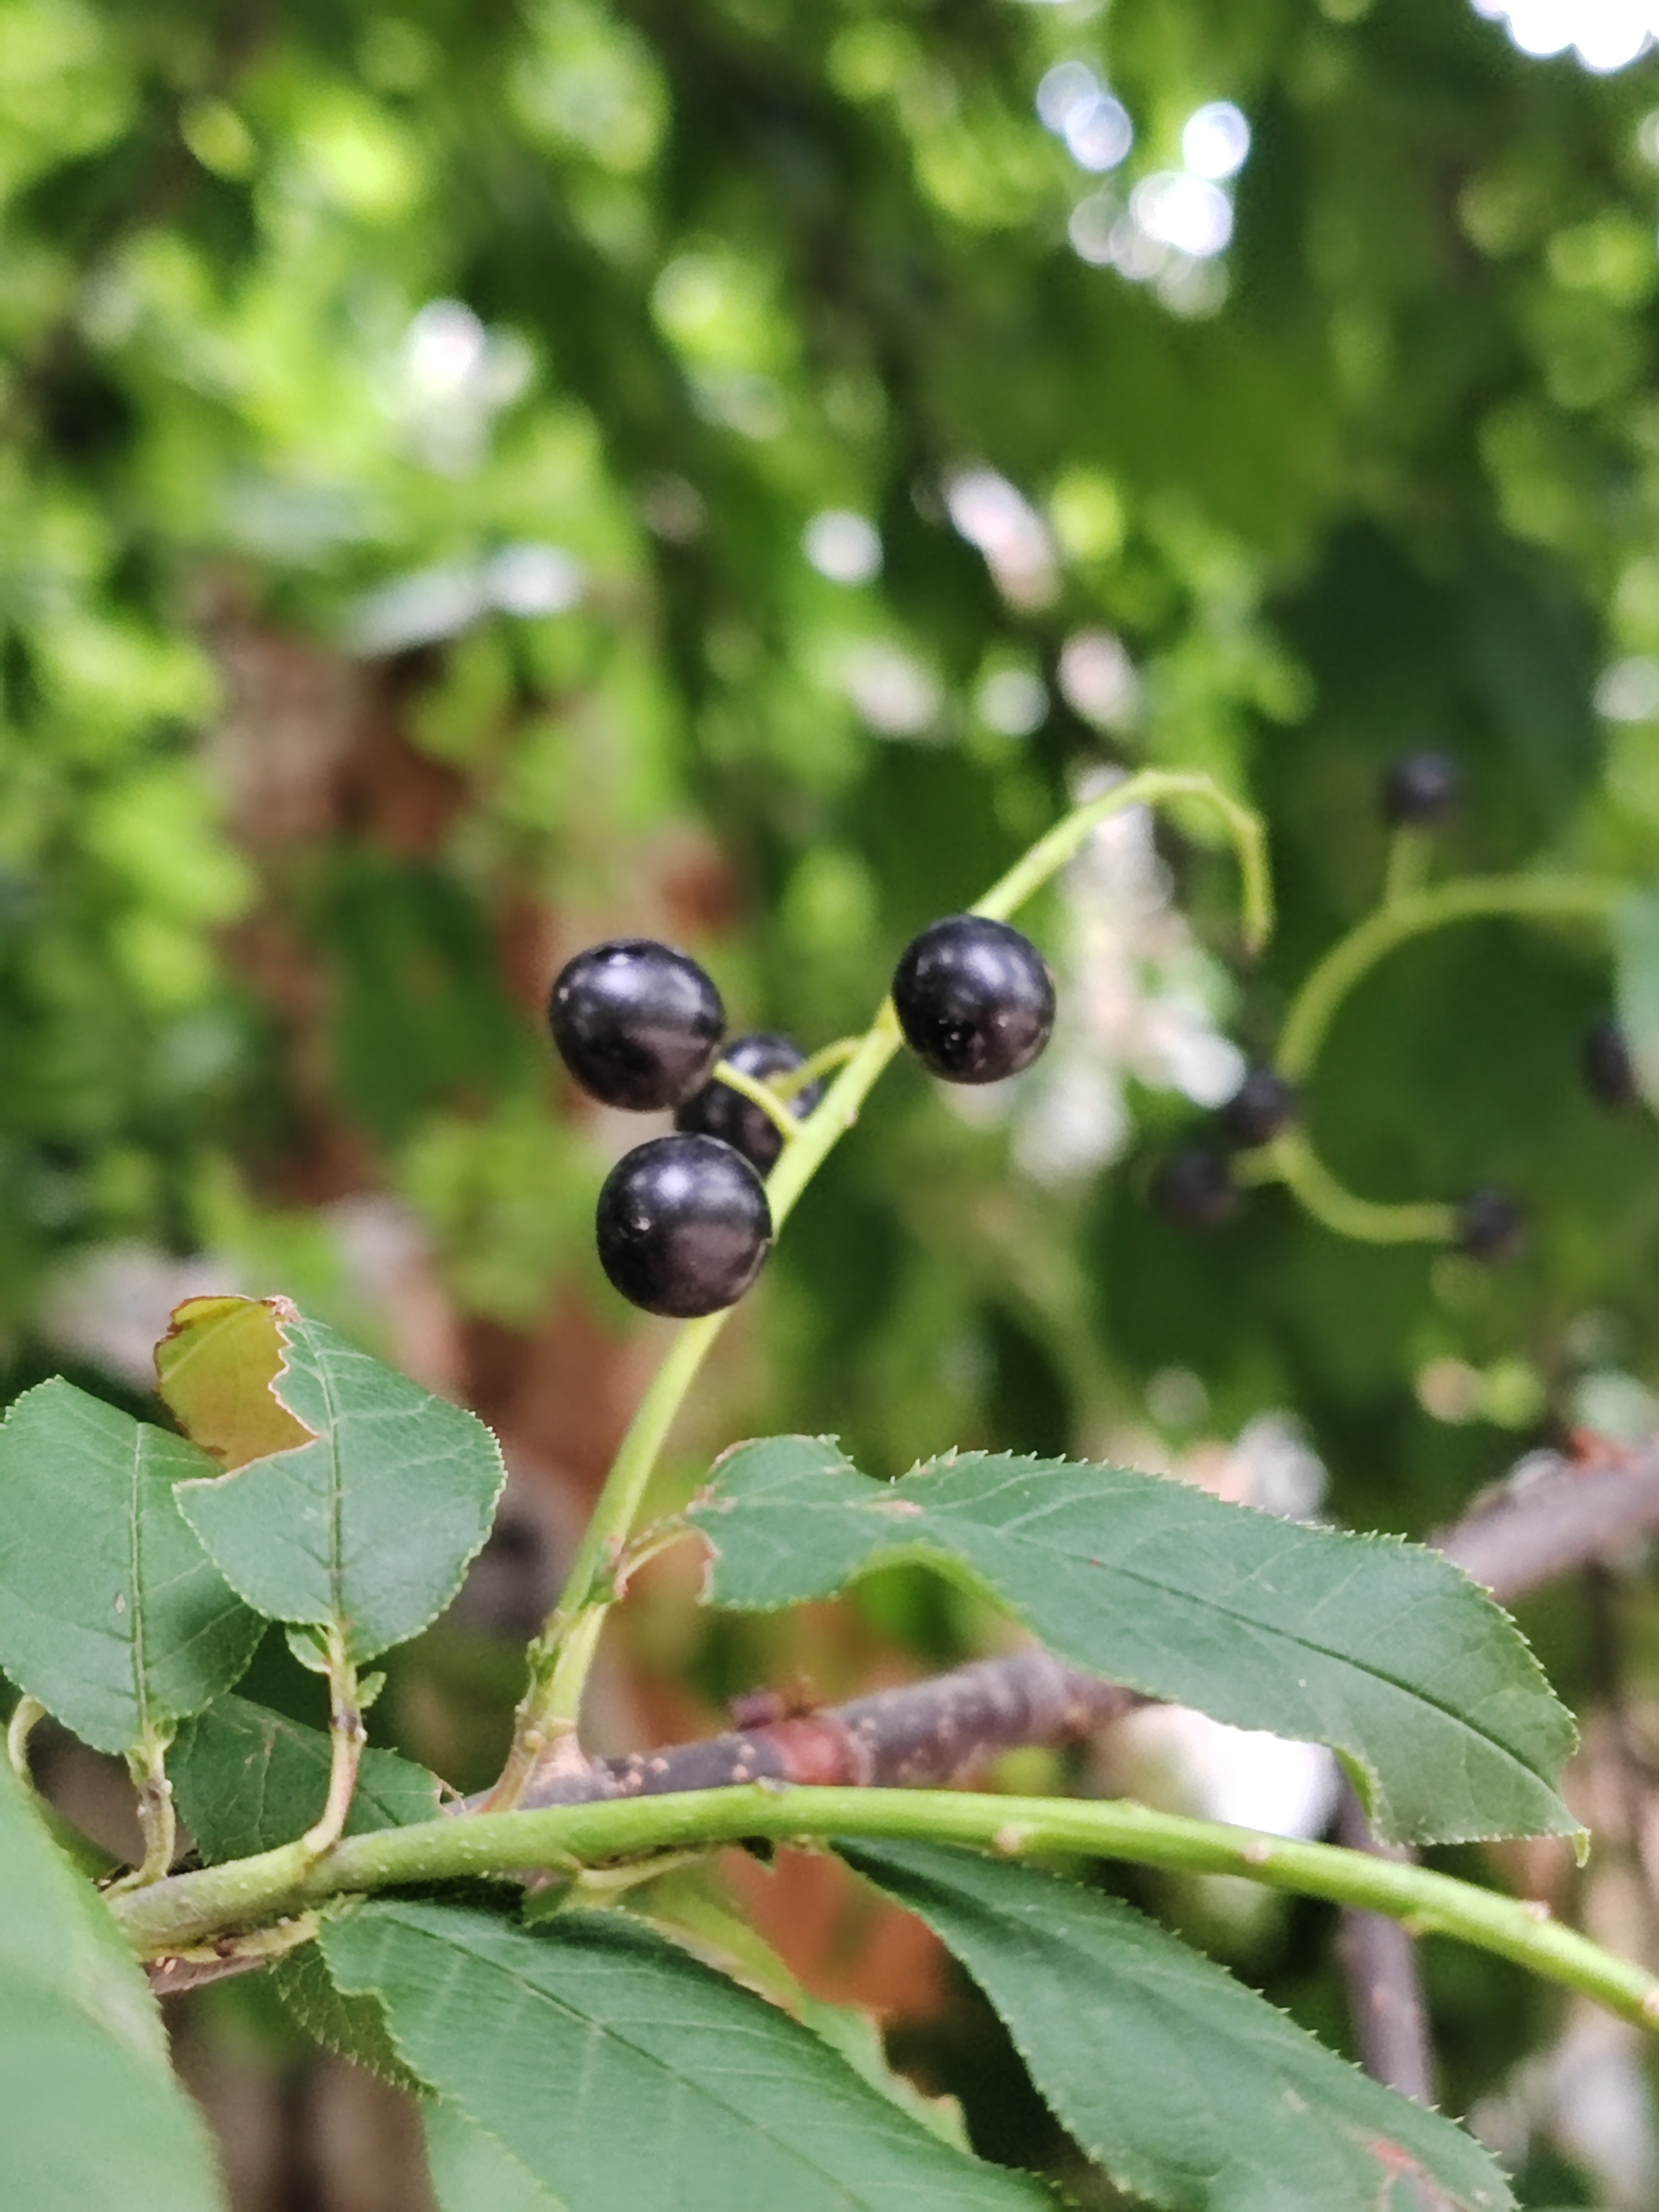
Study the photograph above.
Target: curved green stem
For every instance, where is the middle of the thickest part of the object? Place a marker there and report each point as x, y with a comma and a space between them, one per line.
1541, 899
191, 1908
1292, 1160
758, 1094
547, 1713
158, 1822
794, 1080
27, 1715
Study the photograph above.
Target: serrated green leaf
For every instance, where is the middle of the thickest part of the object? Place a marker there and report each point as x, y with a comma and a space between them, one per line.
368, 1526
473, 2173
111, 1612
90, 2114
246, 1780
352, 2027
1636, 974
1381, 1649
621, 2072
1191, 2090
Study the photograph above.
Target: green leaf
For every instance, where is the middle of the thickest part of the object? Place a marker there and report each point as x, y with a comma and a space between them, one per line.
366, 1527
1381, 1649
1636, 972
1189, 2089
471, 2170
246, 1780
353, 2027
620, 2072
90, 2114
111, 1612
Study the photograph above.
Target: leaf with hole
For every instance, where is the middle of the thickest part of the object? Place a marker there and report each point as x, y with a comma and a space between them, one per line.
365, 1496
111, 1612
1381, 1649
1192, 2090
620, 2072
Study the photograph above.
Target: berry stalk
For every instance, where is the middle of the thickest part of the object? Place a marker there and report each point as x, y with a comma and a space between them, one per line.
561, 1656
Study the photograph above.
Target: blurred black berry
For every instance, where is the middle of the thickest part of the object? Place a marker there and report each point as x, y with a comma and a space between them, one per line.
973, 997
1195, 1188
1263, 1105
1421, 788
1491, 1225
684, 1225
637, 1023
717, 1110
1609, 1075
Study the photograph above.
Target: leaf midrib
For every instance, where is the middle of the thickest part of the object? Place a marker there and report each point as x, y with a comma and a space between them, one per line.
604, 2030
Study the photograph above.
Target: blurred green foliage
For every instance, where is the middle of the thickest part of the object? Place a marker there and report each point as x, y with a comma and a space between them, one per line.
414, 426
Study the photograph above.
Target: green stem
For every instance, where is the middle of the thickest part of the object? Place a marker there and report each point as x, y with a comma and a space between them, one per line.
794, 1080
550, 1706
347, 1737
1539, 898
759, 1094
191, 1908
1292, 1160
1408, 869
27, 1715
158, 1823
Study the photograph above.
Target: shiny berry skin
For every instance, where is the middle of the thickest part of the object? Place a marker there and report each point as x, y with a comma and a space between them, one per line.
717, 1110
682, 1225
1604, 1059
1263, 1106
637, 1023
1195, 1188
973, 997
1491, 1225
1421, 789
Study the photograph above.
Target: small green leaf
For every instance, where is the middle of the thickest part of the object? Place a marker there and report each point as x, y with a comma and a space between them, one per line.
352, 2027
619, 2072
471, 2171
246, 1780
111, 1612
1190, 2089
1636, 972
90, 2114
364, 1527
1381, 1649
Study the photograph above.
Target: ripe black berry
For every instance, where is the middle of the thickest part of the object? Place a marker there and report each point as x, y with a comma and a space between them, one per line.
717, 1110
637, 1023
1422, 788
684, 1225
973, 997
1609, 1076
1262, 1106
1490, 1226
1195, 1188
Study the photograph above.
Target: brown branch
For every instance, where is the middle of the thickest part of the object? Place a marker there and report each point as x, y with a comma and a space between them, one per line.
928, 1732
1379, 1965
1553, 1517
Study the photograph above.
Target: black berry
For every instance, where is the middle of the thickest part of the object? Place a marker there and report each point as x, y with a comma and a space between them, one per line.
1422, 789
637, 1023
1195, 1188
973, 997
1490, 1226
1609, 1076
684, 1225
1263, 1105
717, 1110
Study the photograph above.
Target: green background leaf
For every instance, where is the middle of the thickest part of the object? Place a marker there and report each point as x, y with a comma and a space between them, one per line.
246, 1780
111, 1612
1635, 975
1381, 1649
90, 2115
1190, 2089
369, 1527
677, 2086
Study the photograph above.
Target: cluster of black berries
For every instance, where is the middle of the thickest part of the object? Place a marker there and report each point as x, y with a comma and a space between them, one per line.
683, 1222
